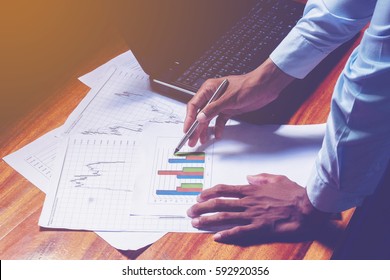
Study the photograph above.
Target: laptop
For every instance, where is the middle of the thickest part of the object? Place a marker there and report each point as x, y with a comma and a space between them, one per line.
182, 43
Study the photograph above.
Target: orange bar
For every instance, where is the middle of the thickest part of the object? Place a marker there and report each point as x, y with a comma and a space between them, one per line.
195, 157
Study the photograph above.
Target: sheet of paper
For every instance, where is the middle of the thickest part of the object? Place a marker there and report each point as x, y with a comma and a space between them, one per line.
174, 182
39, 173
92, 187
125, 61
35, 161
169, 183
122, 106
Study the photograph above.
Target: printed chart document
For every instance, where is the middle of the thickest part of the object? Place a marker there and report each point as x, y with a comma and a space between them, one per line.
169, 184
35, 161
92, 188
118, 108
121, 106
93, 184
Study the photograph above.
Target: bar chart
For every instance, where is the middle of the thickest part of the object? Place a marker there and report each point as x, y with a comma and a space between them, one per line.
179, 178
185, 173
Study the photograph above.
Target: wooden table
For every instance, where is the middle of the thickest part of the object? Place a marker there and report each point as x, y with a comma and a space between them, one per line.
21, 202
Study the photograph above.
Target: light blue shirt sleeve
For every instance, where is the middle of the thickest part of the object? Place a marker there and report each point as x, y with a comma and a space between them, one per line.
325, 25
356, 147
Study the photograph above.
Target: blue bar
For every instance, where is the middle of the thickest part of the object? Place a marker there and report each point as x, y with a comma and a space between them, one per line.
165, 192
189, 176
183, 160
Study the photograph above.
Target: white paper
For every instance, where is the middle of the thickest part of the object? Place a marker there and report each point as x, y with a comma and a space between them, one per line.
245, 149
122, 106
164, 173
40, 176
125, 61
35, 161
92, 188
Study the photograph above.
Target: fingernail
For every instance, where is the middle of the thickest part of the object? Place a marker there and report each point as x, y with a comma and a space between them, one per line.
251, 178
201, 117
199, 198
189, 212
195, 222
217, 237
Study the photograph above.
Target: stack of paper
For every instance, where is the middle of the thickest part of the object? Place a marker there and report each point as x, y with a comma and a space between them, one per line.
119, 104
110, 168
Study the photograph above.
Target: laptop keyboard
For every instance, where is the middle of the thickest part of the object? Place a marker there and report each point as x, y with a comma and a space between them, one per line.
246, 45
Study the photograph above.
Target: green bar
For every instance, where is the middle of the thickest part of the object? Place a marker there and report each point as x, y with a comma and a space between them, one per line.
183, 154
193, 169
192, 185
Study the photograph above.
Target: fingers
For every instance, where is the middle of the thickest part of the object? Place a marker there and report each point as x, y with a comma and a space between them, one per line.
233, 233
263, 179
222, 191
192, 111
215, 205
214, 108
208, 113
222, 219
220, 125
199, 133
199, 101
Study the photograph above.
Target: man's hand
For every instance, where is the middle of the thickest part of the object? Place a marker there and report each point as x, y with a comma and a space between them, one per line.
270, 205
245, 93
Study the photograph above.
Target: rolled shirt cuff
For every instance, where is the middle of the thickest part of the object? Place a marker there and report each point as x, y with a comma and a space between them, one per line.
375, 48
328, 198
296, 56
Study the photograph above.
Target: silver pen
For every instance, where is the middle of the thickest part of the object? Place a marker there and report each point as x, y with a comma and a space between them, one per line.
222, 87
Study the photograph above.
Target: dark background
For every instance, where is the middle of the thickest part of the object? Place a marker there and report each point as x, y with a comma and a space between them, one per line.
42, 45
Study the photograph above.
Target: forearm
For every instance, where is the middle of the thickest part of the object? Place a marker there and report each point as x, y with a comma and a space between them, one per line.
269, 75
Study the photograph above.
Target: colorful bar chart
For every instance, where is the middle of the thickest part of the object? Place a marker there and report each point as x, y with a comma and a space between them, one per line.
188, 171
188, 158
184, 189
185, 173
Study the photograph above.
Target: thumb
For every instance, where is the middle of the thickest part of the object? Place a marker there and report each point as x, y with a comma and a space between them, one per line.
210, 111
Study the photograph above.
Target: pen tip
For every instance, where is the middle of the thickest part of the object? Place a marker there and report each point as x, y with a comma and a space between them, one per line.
176, 151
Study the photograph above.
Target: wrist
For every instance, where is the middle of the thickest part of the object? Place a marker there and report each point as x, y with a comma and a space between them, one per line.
312, 214
270, 76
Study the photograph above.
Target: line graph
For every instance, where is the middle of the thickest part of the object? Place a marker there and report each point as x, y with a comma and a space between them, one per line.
97, 171
117, 108
95, 186
122, 107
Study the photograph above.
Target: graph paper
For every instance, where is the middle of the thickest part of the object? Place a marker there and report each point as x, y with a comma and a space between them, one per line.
35, 161
108, 109
169, 183
94, 188
122, 106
